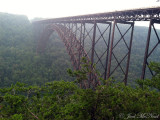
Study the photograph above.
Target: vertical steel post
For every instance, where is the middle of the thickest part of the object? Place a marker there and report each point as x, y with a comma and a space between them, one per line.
92, 54
80, 48
111, 48
65, 28
71, 34
129, 54
146, 50
65, 32
75, 34
36, 36
83, 36
93, 43
70, 37
106, 66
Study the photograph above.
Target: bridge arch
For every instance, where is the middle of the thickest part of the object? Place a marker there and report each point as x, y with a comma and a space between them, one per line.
73, 46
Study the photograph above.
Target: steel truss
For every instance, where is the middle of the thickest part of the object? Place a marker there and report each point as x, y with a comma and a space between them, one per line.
147, 52
144, 14
127, 55
84, 35
78, 36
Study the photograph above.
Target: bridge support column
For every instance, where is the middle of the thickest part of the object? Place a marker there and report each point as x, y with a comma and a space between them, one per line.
83, 38
127, 54
80, 46
107, 56
92, 76
111, 48
147, 52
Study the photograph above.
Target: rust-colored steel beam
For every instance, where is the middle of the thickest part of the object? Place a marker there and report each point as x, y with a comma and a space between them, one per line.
80, 46
129, 54
107, 56
92, 77
146, 50
111, 49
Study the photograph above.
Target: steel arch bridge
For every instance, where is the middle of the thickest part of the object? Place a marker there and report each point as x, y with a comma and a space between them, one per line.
84, 35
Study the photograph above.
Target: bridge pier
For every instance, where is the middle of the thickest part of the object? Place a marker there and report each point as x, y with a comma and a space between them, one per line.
147, 52
99, 36
113, 46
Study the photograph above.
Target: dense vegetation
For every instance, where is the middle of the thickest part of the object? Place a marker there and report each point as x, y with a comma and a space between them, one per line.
37, 86
19, 61
61, 100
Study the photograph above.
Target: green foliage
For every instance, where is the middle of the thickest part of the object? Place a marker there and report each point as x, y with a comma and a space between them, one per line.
62, 100
17, 117
154, 82
19, 60
86, 69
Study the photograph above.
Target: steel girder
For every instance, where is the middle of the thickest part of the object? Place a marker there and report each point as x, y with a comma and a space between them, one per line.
144, 14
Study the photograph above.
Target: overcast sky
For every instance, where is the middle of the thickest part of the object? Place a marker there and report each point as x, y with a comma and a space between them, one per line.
62, 8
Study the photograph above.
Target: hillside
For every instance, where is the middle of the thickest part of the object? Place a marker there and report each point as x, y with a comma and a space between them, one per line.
19, 61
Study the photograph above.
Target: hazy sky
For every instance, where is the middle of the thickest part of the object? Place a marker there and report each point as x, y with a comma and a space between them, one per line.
61, 8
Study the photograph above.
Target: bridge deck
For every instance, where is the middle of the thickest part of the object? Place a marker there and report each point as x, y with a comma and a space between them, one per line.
143, 14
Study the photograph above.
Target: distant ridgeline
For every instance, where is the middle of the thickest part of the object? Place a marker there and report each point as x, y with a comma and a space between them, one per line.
19, 61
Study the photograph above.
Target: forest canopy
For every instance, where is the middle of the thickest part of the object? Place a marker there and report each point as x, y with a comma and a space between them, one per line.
19, 61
